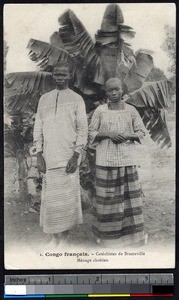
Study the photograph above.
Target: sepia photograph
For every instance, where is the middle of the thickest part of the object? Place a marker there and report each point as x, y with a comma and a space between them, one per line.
89, 136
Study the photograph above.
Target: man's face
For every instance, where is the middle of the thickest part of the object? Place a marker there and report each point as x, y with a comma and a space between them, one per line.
61, 76
114, 91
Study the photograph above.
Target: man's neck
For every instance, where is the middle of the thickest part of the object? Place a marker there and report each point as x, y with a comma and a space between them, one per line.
61, 89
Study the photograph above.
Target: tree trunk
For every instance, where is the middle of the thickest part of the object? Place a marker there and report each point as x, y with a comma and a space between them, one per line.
22, 175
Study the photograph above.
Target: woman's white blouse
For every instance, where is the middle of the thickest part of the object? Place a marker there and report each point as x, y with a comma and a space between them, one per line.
126, 121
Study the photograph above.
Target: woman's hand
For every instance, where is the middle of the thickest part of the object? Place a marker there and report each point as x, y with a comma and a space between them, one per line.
133, 138
114, 136
117, 137
41, 165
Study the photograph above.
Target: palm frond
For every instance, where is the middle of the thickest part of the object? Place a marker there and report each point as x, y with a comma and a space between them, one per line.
127, 34
113, 17
104, 38
56, 40
151, 101
23, 90
46, 55
155, 122
112, 27
152, 94
91, 63
129, 55
75, 38
78, 43
139, 71
111, 46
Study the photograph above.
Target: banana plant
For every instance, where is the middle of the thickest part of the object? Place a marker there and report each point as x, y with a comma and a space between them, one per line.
92, 63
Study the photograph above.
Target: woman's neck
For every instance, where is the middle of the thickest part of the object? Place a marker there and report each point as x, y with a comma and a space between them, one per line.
116, 105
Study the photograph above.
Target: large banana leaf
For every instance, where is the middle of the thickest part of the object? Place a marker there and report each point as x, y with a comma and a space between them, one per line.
79, 44
56, 40
94, 63
151, 101
155, 122
139, 70
75, 38
152, 94
71, 43
112, 24
111, 47
116, 55
91, 63
113, 17
23, 90
46, 55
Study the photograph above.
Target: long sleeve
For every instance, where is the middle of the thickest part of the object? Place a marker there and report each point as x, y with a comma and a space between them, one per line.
81, 127
138, 126
38, 128
94, 127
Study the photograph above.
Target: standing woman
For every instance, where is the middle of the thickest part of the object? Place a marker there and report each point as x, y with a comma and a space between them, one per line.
117, 207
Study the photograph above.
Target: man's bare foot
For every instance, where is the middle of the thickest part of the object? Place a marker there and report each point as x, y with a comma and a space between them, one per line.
58, 239
52, 244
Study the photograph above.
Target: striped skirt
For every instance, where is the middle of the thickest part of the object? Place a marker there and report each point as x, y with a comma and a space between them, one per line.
117, 207
61, 202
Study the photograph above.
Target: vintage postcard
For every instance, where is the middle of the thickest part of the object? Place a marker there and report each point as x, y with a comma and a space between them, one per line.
89, 131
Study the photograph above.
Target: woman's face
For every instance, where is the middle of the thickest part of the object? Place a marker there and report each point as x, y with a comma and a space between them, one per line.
114, 91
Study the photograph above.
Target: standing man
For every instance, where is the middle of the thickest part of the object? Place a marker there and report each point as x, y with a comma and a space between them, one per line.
60, 133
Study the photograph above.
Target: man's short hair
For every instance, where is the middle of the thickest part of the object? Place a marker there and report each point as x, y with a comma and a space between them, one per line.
62, 63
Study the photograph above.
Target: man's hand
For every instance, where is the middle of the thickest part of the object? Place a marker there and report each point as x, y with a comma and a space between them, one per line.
41, 165
117, 137
72, 163
84, 166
